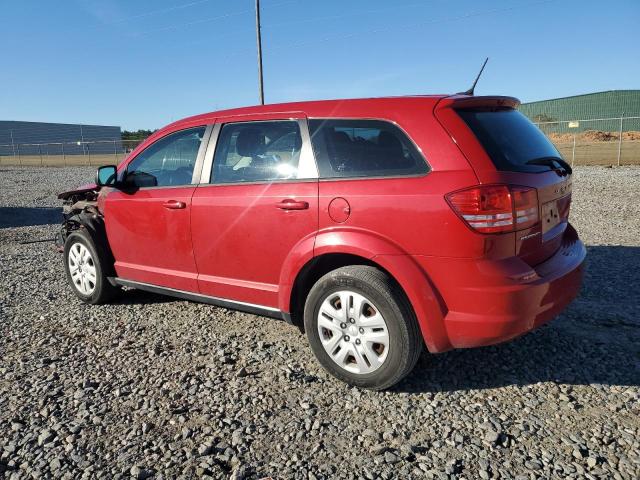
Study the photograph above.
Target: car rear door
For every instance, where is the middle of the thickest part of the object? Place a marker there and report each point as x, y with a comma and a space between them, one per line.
148, 220
258, 200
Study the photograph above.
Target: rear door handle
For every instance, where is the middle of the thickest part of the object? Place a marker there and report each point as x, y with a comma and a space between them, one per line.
291, 204
174, 205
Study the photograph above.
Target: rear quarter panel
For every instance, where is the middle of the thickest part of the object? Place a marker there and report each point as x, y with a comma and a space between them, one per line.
410, 213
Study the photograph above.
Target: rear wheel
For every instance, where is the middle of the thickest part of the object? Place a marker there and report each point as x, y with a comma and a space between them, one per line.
85, 269
361, 327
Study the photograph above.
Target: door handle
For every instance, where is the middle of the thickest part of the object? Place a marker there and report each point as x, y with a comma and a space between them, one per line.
174, 205
291, 204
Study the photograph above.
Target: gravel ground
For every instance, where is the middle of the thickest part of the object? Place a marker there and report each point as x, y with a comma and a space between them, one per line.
152, 386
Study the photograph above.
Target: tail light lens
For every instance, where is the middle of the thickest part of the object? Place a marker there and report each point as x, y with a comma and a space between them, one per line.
496, 208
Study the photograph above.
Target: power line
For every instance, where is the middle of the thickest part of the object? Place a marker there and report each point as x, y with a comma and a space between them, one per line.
160, 11
407, 27
210, 19
345, 15
262, 25
195, 22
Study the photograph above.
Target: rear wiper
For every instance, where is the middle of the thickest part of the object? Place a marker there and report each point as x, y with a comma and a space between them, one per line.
551, 162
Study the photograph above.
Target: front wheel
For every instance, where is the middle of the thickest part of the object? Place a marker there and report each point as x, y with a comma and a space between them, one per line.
85, 269
361, 327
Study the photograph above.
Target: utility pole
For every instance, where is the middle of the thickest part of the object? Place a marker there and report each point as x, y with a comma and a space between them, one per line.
259, 44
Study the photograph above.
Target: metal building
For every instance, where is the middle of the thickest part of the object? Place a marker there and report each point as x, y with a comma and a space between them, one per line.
32, 138
611, 107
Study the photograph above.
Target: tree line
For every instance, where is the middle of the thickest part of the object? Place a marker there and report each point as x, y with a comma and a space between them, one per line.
136, 134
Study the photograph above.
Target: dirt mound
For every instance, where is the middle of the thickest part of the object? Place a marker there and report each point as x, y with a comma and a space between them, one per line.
592, 136
598, 136
561, 137
630, 135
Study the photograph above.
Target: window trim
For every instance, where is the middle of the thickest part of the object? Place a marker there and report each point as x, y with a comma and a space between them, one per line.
197, 167
307, 160
374, 177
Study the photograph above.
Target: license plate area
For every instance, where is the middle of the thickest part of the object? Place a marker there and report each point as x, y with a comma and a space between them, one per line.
550, 216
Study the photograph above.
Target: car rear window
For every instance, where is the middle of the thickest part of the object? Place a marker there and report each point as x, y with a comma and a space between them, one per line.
510, 139
363, 148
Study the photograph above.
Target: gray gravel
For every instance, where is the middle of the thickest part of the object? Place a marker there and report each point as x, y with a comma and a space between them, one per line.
153, 387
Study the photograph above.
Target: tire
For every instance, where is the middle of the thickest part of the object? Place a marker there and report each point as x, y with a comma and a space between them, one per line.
89, 281
368, 353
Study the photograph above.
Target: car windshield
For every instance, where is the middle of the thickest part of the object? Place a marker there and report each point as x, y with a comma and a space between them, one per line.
510, 139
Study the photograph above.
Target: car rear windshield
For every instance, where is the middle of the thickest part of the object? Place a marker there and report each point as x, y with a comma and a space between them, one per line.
510, 139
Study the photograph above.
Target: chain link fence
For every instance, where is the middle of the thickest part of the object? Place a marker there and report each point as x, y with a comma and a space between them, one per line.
100, 152
602, 141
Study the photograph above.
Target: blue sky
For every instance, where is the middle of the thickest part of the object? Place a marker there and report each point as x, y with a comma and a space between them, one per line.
142, 64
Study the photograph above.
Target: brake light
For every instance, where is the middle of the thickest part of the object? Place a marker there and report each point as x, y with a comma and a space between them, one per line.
496, 208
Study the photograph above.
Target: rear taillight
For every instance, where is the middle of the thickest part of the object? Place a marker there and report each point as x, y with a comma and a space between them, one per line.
496, 208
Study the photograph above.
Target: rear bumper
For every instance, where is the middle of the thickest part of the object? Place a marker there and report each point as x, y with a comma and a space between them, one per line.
489, 302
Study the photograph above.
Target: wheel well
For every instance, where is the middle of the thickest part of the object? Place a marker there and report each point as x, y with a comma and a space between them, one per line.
312, 272
93, 225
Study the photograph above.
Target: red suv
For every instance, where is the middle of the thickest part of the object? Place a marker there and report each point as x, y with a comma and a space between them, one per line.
376, 225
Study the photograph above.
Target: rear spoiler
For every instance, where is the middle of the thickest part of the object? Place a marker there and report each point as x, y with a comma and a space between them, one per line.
468, 101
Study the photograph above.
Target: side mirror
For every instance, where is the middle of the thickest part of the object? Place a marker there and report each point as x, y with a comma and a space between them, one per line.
135, 180
106, 176
143, 179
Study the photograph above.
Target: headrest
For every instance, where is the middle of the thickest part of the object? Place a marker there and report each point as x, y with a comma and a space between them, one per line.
340, 137
250, 142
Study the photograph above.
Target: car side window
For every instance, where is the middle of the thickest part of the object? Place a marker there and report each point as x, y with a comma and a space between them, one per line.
363, 148
168, 162
257, 152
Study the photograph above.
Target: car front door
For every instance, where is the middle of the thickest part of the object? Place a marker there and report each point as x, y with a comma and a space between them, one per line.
148, 219
258, 199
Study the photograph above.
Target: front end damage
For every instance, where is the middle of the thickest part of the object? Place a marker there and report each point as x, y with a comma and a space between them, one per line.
79, 210
82, 210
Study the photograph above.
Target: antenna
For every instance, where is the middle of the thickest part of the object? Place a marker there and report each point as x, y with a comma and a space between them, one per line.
473, 87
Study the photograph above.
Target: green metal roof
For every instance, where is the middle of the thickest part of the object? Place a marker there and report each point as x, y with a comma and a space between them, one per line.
611, 104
